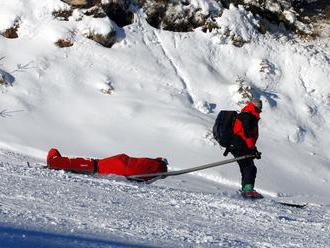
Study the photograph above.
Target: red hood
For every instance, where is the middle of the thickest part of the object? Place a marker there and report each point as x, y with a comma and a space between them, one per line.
250, 108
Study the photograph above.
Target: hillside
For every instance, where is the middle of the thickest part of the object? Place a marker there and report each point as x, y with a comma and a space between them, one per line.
86, 80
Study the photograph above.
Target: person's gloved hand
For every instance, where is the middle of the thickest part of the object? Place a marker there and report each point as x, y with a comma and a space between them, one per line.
228, 150
256, 153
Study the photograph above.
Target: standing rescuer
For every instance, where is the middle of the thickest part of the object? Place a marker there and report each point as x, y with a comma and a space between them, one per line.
245, 135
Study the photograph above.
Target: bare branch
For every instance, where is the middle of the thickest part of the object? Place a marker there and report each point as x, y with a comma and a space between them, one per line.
5, 113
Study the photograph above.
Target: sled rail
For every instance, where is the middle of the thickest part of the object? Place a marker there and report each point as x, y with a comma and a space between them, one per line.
189, 170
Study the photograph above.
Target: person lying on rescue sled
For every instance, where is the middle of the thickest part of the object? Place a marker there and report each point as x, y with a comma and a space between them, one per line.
121, 165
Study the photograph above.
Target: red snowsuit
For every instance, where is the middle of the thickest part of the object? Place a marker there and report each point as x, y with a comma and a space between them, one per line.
121, 164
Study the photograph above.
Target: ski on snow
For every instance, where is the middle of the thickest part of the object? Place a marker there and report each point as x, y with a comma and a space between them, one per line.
287, 204
281, 202
295, 205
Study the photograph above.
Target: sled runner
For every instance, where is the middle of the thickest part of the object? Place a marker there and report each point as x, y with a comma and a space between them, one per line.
163, 175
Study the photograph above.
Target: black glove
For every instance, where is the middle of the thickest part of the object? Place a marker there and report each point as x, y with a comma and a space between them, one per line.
256, 153
228, 150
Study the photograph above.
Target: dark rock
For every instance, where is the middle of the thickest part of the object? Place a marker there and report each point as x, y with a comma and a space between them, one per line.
82, 3
11, 33
119, 12
105, 40
62, 15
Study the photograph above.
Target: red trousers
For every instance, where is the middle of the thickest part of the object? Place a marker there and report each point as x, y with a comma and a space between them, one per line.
121, 164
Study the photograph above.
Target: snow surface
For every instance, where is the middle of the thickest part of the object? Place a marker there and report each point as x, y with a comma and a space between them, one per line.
44, 208
166, 91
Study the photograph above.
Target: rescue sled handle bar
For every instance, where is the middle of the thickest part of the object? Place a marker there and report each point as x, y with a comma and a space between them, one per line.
193, 169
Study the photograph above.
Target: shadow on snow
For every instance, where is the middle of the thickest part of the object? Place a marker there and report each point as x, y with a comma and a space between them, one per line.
12, 237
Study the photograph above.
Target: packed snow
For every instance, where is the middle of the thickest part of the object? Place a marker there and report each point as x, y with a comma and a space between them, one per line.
43, 208
157, 93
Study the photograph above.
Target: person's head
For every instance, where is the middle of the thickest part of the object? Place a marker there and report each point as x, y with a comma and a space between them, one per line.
257, 104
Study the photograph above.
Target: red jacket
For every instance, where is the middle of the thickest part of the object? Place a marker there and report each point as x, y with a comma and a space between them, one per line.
245, 128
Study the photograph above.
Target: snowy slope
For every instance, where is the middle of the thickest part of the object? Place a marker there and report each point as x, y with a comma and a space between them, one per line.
166, 91
168, 88
57, 209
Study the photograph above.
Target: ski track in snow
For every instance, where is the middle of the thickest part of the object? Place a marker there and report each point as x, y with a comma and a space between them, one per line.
58, 209
151, 37
176, 69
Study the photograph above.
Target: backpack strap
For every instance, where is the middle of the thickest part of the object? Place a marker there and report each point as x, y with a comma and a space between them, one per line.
95, 164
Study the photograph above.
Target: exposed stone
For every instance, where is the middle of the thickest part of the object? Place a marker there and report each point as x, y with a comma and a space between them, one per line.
119, 12
262, 26
82, 3
107, 90
183, 21
6, 79
105, 40
155, 12
185, 15
64, 43
209, 26
296, 15
2, 80
62, 15
11, 33
327, 12
96, 12
238, 41
174, 15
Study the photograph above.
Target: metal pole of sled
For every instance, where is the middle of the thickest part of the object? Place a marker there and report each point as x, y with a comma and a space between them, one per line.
198, 168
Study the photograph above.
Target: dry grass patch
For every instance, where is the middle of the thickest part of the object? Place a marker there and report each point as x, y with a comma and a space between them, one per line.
2, 81
327, 12
96, 12
62, 15
64, 43
105, 40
